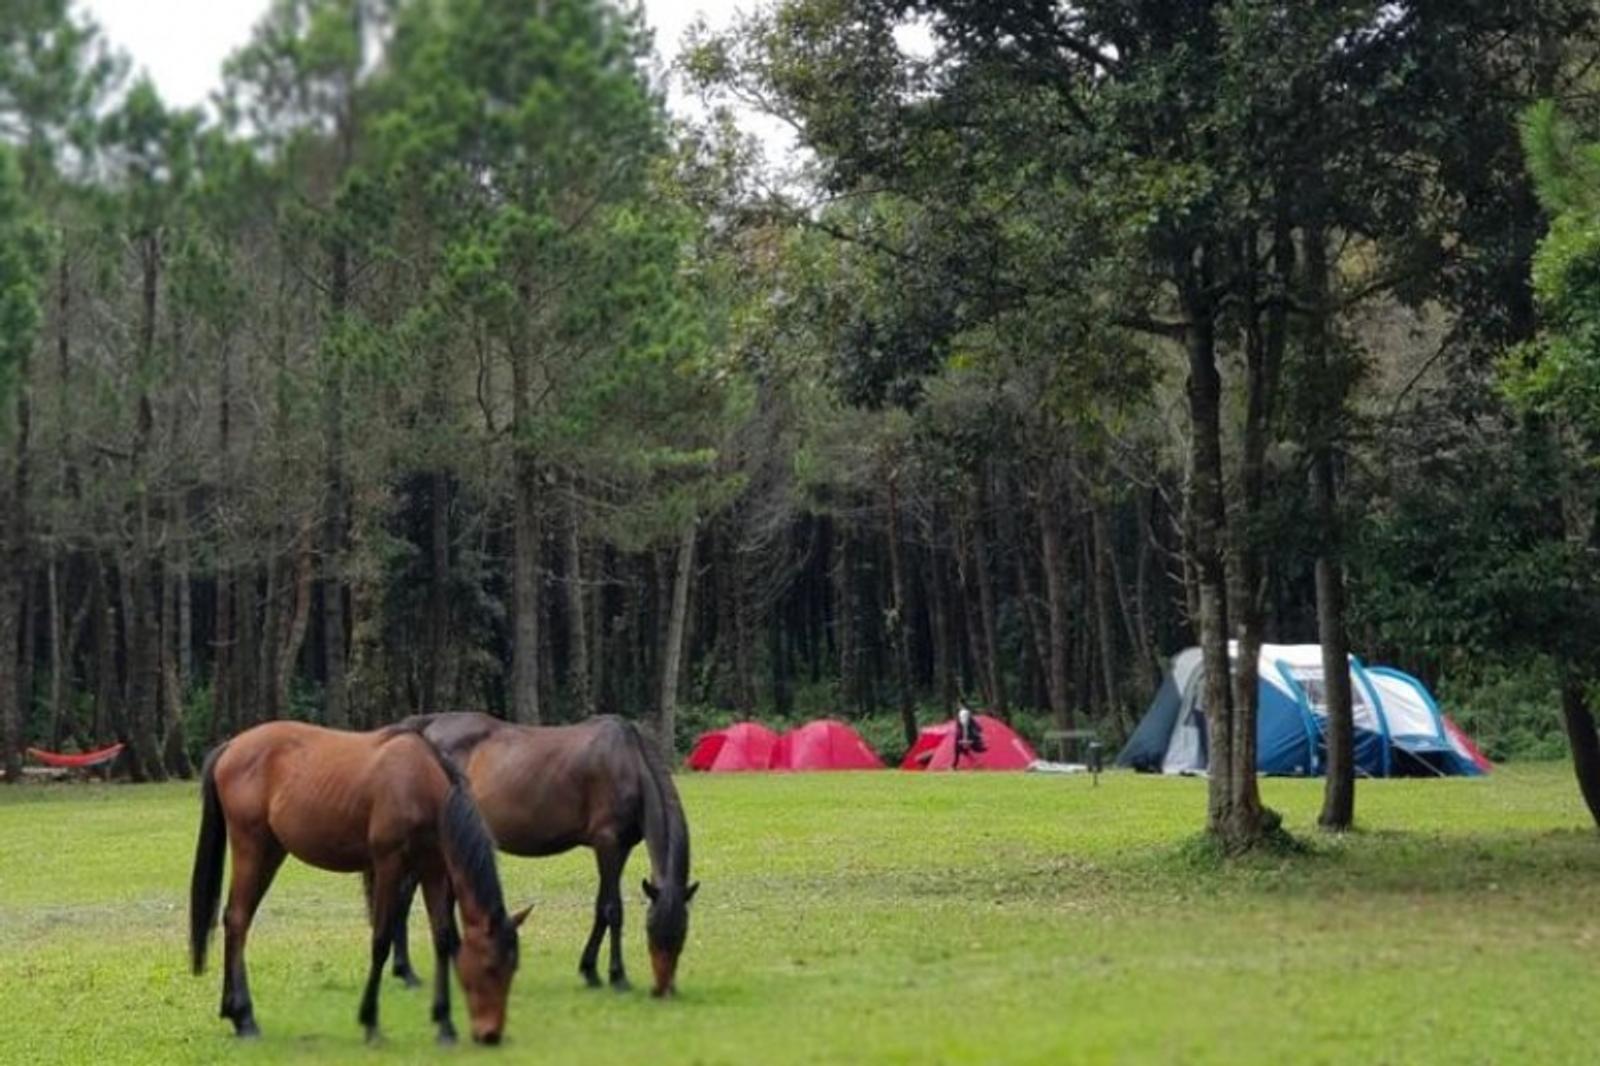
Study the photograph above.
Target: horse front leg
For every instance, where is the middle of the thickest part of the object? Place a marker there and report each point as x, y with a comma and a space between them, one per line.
440, 903
385, 879
589, 963
612, 862
402, 944
255, 864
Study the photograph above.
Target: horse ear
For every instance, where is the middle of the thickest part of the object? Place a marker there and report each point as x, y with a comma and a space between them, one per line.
521, 916
693, 888
649, 889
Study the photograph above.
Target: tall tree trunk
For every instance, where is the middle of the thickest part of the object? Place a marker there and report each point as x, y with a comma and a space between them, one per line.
846, 632
11, 739
900, 629
108, 720
672, 654
438, 589
983, 570
577, 625
1339, 793
1234, 806
944, 666
1579, 722
141, 652
58, 651
599, 571
1055, 581
525, 540
299, 619
336, 505
1105, 595
174, 755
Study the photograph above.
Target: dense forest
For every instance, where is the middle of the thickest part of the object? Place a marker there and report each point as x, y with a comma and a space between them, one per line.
438, 365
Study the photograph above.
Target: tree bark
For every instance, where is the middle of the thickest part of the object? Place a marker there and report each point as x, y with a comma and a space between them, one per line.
982, 567
672, 654
1339, 791
846, 634
336, 709
299, 619
944, 667
1233, 813
577, 625
1105, 596
525, 539
10, 690
1055, 581
900, 633
438, 589
1579, 722
58, 652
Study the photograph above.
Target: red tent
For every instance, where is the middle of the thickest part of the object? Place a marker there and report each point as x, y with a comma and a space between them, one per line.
825, 744
741, 746
935, 749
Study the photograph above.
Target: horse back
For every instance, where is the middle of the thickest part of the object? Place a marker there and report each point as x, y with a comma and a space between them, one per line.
329, 797
547, 789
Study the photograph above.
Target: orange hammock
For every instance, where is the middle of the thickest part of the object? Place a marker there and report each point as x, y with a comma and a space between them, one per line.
85, 761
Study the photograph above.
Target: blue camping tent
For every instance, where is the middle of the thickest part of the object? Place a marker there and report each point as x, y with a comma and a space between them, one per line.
1398, 727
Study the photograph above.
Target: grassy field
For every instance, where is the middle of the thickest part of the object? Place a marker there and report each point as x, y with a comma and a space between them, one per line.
881, 917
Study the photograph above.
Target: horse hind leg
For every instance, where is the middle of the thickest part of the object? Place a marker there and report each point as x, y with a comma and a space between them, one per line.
402, 943
255, 863
386, 880
589, 963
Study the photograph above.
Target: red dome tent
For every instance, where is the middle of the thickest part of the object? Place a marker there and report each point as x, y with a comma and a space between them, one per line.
935, 749
825, 744
741, 746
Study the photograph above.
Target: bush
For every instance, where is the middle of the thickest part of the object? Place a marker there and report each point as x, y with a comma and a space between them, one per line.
1511, 710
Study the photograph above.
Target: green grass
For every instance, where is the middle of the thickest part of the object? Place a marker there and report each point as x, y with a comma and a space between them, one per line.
880, 917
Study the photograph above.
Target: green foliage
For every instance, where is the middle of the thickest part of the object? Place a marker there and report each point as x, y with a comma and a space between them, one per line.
22, 248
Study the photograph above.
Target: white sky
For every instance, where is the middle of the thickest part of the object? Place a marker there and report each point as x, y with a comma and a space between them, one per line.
182, 43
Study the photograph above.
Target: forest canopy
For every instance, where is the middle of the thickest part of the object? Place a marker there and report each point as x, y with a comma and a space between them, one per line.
438, 365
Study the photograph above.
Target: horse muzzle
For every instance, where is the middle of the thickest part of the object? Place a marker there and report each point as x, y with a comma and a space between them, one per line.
665, 966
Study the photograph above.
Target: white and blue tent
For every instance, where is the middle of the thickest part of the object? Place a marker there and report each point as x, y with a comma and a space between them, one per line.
1399, 730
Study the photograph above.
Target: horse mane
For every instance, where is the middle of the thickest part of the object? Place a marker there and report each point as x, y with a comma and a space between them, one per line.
467, 842
665, 830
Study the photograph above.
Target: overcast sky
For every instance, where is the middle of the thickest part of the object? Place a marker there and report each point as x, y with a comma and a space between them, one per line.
182, 43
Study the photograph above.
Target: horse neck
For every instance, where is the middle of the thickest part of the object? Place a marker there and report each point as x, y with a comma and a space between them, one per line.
468, 853
666, 834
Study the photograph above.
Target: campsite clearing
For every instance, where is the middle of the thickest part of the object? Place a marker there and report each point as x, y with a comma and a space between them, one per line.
901, 917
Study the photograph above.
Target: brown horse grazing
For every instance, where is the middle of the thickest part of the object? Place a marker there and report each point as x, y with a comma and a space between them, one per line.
387, 804
547, 789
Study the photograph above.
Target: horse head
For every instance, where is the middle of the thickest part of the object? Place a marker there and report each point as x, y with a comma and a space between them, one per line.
667, 927
486, 962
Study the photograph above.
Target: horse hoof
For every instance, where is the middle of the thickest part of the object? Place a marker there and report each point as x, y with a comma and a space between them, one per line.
247, 1030
374, 1037
447, 1038
590, 978
620, 984
408, 978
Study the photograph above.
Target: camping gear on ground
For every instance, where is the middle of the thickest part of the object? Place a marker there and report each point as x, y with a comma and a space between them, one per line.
935, 748
88, 760
824, 744
743, 746
1399, 730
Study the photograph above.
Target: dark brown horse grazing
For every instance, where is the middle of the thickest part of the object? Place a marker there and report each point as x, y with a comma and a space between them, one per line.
387, 804
547, 789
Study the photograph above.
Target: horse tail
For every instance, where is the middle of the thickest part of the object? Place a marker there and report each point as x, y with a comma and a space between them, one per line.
205, 887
